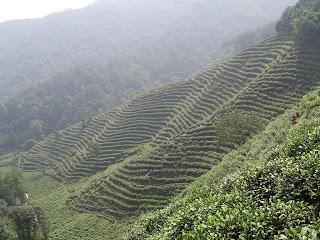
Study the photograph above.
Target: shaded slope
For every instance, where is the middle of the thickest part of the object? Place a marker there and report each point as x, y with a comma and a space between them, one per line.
78, 94
34, 50
68, 98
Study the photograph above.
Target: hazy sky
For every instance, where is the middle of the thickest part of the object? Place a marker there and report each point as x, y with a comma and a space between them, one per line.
21, 9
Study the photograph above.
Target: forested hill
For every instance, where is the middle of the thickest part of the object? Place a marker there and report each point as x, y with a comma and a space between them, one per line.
168, 32
170, 52
68, 98
141, 154
81, 93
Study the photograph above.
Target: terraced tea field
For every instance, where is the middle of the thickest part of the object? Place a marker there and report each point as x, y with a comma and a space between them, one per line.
159, 142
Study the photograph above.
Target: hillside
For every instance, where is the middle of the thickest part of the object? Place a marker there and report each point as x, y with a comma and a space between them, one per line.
275, 199
140, 155
163, 33
94, 80
66, 99
83, 92
186, 146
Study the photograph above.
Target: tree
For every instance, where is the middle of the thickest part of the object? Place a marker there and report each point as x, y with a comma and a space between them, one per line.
28, 221
283, 25
3, 233
28, 144
3, 207
43, 221
36, 129
12, 186
234, 128
303, 19
306, 24
88, 113
94, 148
24, 219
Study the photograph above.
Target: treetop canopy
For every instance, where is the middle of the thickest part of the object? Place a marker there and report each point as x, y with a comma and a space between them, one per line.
303, 19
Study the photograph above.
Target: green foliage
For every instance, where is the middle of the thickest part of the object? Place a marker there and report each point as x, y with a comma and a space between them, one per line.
311, 101
149, 52
276, 199
3, 233
160, 169
28, 144
65, 223
94, 148
249, 38
66, 99
283, 25
301, 19
306, 25
301, 233
237, 126
28, 221
12, 187
36, 129
157, 144
24, 219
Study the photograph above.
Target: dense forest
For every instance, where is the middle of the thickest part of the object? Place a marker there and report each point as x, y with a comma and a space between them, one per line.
301, 19
229, 152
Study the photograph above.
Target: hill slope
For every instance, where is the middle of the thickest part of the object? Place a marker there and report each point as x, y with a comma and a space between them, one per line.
66, 99
83, 92
150, 149
169, 52
278, 198
164, 34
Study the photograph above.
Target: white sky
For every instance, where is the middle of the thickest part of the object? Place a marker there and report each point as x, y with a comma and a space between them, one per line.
21, 9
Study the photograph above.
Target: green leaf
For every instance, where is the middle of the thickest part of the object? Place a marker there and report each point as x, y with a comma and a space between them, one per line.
298, 229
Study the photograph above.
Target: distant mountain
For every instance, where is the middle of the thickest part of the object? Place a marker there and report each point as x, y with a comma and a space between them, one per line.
34, 50
249, 38
142, 50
